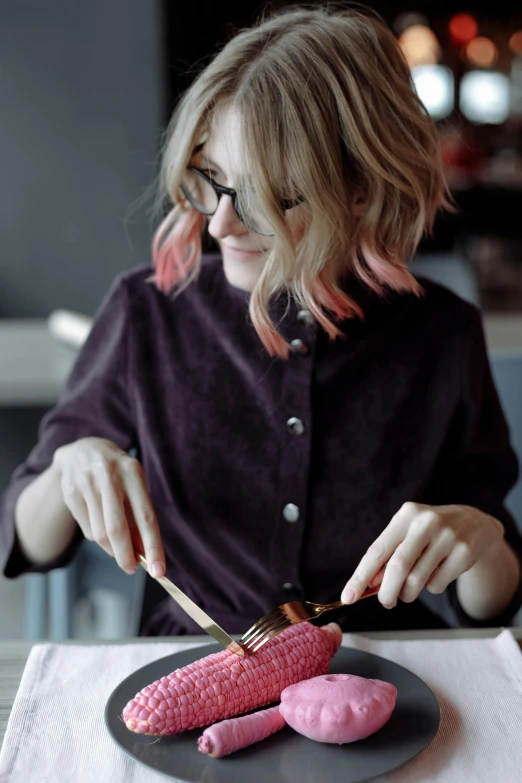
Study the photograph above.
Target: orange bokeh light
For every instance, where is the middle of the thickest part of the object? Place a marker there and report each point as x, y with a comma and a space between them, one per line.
420, 46
515, 42
482, 52
463, 28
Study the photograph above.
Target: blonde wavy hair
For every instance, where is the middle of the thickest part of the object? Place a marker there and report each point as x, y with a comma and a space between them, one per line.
328, 111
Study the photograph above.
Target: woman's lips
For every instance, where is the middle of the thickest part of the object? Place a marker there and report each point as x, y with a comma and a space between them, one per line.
242, 255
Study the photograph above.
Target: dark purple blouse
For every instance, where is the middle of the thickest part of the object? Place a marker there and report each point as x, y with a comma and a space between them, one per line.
270, 478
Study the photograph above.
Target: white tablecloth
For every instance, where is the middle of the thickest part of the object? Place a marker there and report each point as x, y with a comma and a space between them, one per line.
56, 732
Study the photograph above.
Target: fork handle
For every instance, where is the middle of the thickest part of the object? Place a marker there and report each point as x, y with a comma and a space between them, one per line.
367, 594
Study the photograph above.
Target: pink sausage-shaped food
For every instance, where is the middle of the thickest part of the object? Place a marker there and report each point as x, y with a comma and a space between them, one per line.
236, 733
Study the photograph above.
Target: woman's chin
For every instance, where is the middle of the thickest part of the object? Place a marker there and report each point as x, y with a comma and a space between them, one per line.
243, 274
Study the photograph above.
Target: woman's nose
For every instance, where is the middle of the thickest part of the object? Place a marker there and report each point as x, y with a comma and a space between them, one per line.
225, 220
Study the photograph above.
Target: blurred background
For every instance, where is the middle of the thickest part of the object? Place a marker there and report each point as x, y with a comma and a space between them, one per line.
86, 91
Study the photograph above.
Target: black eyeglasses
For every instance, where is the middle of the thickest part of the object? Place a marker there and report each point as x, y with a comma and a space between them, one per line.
204, 194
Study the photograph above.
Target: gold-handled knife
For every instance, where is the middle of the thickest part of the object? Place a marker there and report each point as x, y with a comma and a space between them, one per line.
198, 615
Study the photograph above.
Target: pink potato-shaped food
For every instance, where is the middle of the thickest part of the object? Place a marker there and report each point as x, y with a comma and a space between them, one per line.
338, 708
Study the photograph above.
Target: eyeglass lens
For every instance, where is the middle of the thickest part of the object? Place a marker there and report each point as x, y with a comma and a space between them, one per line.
205, 199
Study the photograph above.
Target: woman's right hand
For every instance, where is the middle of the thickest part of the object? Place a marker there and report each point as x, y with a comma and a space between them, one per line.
105, 490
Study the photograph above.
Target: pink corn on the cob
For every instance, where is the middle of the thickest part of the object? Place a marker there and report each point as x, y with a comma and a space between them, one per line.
236, 733
223, 684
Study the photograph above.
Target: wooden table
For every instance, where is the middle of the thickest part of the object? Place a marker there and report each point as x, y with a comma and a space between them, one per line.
13, 655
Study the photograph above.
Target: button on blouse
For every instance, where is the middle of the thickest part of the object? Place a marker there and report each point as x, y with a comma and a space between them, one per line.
266, 472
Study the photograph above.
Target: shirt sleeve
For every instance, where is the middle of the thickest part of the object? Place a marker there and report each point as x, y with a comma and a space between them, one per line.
94, 402
478, 468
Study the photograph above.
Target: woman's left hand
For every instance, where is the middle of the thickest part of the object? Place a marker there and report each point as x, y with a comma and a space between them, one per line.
424, 546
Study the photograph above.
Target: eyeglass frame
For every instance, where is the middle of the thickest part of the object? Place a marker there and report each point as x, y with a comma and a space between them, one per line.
221, 190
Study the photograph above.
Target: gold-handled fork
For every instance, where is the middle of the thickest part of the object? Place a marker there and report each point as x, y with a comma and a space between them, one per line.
289, 614
267, 627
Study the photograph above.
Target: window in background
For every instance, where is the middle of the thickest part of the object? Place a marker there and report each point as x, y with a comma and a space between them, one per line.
516, 86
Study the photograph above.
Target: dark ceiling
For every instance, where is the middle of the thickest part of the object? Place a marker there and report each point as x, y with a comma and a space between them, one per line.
193, 30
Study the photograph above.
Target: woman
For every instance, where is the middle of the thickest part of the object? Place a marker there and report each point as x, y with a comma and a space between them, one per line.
305, 411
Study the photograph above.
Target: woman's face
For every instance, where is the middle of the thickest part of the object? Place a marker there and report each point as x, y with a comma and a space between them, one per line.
244, 252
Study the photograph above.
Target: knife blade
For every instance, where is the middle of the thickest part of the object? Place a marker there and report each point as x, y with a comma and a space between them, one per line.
198, 615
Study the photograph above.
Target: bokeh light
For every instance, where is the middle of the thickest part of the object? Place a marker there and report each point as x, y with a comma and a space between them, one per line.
482, 52
408, 19
485, 97
515, 42
434, 85
463, 28
420, 46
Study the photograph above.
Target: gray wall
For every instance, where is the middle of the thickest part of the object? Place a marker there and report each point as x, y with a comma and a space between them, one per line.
81, 107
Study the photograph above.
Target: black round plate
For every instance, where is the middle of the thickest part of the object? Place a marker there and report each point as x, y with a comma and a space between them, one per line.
285, 757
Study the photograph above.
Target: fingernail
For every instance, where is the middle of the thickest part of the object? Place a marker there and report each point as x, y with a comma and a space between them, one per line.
348, 595
130, 571
156, 569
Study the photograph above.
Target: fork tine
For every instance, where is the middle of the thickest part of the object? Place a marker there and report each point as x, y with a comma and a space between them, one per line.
279, 621
253, 646
278, 624
268, 619
266, 626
